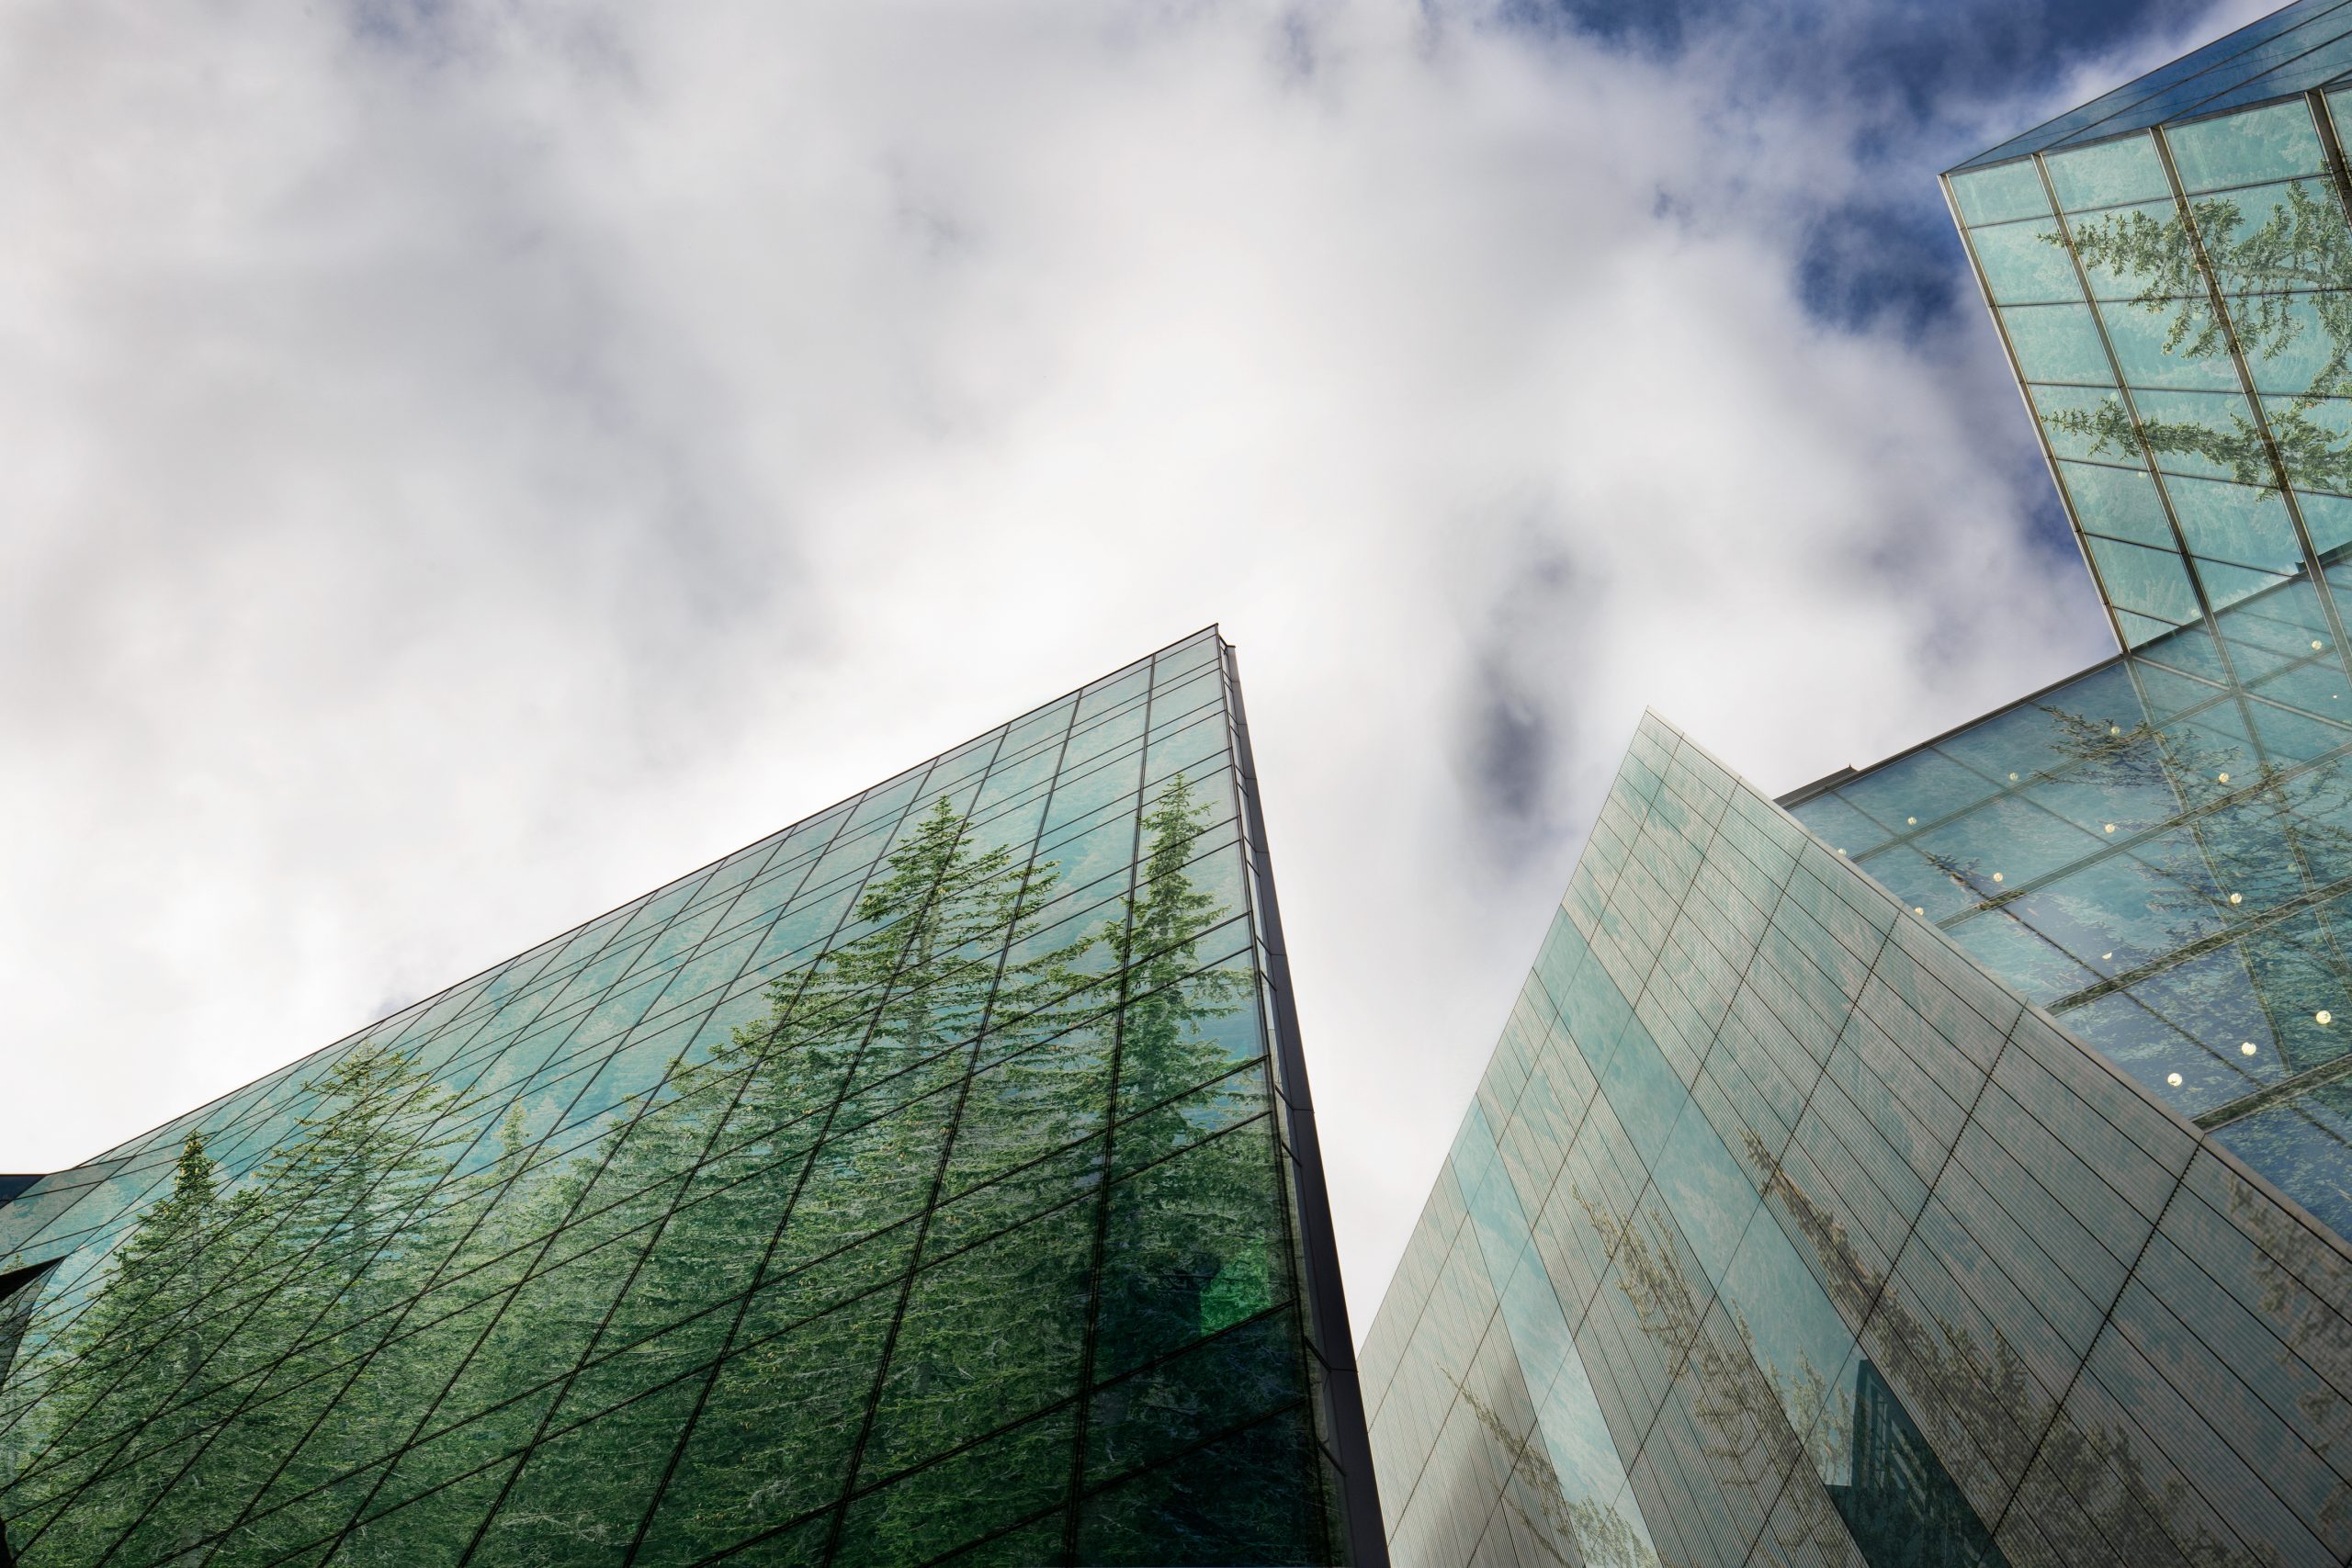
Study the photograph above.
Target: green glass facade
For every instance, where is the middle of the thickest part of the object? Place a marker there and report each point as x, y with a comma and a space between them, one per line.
1778, 1232
932, 1181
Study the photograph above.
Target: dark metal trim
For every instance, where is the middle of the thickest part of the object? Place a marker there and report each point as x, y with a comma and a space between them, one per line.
2025, 393
1821, 785
2069, 142
2219, 303
2139, 426
2285, 1089
1367, 1540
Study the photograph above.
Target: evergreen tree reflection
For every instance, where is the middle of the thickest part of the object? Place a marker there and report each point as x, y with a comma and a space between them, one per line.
989, 1139
2284, 283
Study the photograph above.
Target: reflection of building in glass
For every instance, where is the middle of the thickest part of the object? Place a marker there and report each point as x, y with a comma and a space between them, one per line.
931, 1181
1948, 1164
1895, 1482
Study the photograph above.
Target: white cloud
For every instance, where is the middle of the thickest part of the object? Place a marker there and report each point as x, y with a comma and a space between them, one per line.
471, 465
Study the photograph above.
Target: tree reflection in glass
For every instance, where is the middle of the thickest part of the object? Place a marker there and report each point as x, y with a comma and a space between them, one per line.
972, 1160
2283, 278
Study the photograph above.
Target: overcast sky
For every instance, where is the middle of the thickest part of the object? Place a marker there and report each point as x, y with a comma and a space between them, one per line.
470, 460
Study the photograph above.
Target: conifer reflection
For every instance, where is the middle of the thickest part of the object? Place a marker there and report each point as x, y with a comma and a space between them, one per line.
891, 1220
2284, 283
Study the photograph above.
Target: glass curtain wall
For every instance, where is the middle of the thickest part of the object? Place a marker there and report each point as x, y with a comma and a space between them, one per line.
906, 1187
2292, 49
2177, 305
1780, 1233
2164, 862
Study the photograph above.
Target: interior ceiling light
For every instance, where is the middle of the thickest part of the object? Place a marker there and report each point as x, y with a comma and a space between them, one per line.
2115, 729
2105, 956
2246, 1048
1911, 821
1997, 876
2110, 827
2013, 778
2314, 642
2223, 777
2173, 1078
2237, 898
2324, 1016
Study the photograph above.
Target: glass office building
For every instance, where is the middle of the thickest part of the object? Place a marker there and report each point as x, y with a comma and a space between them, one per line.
1782, 1231
1950, 1162
2161, 851
932, 1181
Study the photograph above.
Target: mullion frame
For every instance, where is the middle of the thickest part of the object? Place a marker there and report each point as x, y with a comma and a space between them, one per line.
479, 1001
755, 1136
2123, 844
109, 1466
881, 849
482, 1123
425, 1087
613, 1305
918, 1262
546, 950
1090, 1339
527, 1164
849, 1079
809, 1516
718, 1360
479, 1057
515, 1043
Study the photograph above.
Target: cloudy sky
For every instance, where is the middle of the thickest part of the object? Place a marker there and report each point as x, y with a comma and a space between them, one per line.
470, 460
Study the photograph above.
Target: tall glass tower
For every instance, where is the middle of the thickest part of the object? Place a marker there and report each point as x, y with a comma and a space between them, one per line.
934, 1180
1950, 1163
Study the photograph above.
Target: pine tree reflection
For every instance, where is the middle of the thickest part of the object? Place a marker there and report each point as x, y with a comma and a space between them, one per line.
992, 1139
2284, 282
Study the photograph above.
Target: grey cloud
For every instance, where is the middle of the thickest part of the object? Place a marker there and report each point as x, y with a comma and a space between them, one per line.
477, 460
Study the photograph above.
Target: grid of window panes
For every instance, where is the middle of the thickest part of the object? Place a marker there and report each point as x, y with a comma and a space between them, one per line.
1778, 1232
2178, 305
2294, 49
2164, 862
904, 1187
